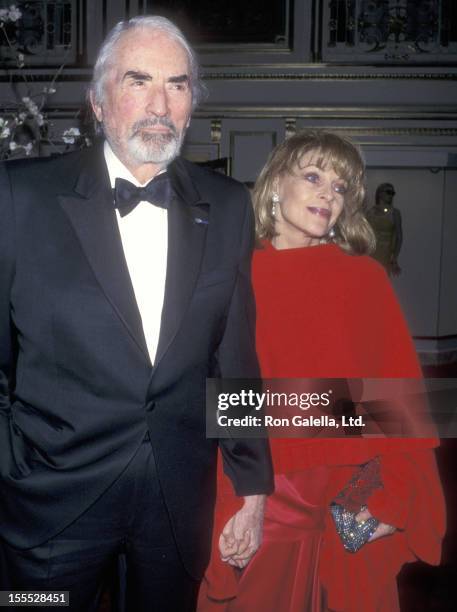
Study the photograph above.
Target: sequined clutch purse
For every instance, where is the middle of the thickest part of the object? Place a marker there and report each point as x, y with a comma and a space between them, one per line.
351, 500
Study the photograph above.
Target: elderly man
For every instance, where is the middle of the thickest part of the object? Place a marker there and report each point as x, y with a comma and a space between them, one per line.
124, 283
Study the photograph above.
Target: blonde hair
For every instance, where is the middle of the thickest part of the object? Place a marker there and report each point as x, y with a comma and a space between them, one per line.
353, 233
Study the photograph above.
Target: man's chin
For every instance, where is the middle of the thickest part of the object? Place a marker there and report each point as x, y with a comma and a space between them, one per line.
155, 155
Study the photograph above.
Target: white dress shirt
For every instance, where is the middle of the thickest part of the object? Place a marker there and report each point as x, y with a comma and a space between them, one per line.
144, 234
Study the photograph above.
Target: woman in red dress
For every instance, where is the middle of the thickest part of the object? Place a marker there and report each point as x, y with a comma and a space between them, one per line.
326, 310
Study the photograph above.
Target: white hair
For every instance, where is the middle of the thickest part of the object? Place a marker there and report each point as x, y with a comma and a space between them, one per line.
106, 55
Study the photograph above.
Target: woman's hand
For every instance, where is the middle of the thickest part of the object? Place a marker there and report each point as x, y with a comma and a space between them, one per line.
382, 530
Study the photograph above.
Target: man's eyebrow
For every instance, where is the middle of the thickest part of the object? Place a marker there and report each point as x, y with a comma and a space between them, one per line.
136, 75
181, 78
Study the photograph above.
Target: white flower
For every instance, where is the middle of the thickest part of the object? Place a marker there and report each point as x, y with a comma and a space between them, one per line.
14, 13
31, 106
4, 132
40, 119
14, 146
69, 136
4, 14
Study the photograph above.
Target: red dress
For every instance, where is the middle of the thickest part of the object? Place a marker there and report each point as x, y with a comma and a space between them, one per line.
322, 313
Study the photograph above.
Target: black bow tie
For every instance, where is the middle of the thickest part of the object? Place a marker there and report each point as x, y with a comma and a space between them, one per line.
127, 195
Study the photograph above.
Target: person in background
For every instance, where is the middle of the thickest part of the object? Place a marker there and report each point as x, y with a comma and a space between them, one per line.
317, 295
385, 221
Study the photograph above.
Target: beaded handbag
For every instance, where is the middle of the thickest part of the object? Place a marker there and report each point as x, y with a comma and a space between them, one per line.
353, 499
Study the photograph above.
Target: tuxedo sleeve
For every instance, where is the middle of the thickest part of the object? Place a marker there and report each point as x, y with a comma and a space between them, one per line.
247, 462
7, 231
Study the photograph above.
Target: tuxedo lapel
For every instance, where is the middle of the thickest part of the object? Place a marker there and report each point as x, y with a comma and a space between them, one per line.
187, 226
91, 211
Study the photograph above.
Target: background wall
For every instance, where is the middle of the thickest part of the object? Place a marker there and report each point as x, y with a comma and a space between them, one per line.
381, 71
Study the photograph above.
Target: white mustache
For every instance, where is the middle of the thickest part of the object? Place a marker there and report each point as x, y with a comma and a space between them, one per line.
147, 123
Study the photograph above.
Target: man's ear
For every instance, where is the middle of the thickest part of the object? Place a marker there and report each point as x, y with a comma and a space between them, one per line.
186, 127
97, 108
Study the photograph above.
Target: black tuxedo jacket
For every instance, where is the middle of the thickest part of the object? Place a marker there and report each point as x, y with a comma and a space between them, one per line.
77, 389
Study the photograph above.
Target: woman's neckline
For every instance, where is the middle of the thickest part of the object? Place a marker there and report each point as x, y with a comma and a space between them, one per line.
267, 244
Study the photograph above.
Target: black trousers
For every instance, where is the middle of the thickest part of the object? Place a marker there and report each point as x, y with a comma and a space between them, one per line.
128, 520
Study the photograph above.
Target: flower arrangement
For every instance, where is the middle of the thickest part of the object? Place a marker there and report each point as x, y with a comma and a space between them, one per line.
12, 14
24, 124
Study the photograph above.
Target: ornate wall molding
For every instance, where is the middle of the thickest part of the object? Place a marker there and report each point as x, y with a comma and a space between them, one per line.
216, 130
47, 32
403, 131
217, 113
371, 114
86, 75
389, 31
261, 33
337, 76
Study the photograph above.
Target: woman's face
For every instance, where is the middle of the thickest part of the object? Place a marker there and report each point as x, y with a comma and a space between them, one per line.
310, 202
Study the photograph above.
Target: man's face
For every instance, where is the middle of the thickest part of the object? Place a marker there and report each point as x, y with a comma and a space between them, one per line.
147, 98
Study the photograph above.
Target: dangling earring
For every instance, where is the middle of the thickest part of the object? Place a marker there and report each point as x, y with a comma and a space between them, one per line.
275, 200
329, 236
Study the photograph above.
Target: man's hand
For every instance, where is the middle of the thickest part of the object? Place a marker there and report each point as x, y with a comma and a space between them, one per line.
242, 535
383, 529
